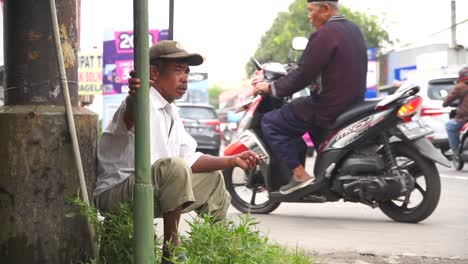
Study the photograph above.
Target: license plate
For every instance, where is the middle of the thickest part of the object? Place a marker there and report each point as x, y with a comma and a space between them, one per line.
198, 130
415, 129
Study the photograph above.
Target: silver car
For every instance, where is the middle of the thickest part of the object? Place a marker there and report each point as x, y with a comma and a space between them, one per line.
433, 91
202, 123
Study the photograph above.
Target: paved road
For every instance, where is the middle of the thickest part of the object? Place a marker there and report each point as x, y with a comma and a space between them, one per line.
349, 227
343, 233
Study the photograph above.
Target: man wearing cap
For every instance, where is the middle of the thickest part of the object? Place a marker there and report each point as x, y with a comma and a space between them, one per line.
335, 64
184, 180
454, 125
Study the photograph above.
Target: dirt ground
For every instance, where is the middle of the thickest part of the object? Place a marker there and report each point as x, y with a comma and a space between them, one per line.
357, 258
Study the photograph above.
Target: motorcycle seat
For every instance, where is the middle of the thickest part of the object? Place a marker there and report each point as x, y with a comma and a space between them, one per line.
354, 112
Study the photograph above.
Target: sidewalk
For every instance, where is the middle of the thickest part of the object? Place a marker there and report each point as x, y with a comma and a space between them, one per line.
356, 258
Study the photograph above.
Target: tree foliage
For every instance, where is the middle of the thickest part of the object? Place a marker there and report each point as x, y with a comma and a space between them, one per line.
213, 94
275, 44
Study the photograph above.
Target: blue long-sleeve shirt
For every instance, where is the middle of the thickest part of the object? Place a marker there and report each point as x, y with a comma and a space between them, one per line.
336, 58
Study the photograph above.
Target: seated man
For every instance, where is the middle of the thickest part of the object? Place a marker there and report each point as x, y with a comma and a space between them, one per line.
184, 180
454, 125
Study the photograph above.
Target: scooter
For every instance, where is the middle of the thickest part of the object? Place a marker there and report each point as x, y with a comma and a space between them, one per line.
461, 156
373, 154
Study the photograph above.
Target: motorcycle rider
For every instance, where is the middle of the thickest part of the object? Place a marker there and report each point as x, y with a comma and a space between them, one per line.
454, 125
335, 63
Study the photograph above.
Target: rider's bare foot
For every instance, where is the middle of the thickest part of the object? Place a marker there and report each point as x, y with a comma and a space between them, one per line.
299, 180
300, 174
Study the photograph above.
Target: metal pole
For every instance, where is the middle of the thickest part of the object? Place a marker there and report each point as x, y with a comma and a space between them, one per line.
143, 190
453, 23
171, 19
71, 121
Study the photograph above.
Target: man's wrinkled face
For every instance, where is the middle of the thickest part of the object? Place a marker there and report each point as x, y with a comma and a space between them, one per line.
318, 14
171, 82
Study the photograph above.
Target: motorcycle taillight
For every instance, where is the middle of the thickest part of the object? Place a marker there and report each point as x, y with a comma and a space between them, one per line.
215, 123
409, 108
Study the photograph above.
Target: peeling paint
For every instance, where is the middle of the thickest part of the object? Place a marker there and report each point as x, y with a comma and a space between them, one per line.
34, 55
67, 48
68, 55
34, 35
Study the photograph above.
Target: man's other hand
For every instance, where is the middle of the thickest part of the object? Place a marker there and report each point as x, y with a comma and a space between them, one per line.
247, 160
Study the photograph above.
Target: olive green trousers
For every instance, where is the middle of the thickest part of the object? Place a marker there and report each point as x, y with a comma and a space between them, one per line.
175, 186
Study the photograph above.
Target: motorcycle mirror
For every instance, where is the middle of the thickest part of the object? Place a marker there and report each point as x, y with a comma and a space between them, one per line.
256, 63
299, 43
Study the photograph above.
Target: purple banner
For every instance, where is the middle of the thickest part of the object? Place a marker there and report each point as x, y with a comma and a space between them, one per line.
118, 59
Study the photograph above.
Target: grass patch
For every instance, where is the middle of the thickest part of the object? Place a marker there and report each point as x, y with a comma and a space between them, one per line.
207, 242
230, 242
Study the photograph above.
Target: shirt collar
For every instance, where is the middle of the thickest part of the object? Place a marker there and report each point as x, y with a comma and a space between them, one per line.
334, 18
157, 100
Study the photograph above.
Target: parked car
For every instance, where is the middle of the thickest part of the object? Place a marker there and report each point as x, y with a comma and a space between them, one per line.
201, 121
434, 90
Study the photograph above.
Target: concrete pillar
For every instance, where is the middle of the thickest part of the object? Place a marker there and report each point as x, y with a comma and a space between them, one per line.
37, 169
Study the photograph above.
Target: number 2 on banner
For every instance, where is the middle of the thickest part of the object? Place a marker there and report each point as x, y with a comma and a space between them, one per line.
124, 41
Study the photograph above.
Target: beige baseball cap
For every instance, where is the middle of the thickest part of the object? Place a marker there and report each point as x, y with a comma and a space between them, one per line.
170, 49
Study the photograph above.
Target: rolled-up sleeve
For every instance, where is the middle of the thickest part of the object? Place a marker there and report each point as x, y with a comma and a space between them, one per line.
188, 149
117, 125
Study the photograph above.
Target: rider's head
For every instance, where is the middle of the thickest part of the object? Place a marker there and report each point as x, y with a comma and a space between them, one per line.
463, 75
320, 11
169, 68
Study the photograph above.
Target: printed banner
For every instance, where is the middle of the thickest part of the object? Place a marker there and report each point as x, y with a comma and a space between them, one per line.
118, 58
90, 73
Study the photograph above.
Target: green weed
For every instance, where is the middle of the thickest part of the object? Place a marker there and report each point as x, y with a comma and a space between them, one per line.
207, 242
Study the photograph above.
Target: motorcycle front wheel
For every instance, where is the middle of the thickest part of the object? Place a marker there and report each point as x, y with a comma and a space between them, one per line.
424, 197
254, 200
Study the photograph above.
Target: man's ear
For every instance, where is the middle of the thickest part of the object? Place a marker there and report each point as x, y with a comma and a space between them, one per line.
327, 7
154, 73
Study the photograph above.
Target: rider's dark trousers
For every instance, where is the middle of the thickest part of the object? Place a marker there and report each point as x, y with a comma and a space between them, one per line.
282, 129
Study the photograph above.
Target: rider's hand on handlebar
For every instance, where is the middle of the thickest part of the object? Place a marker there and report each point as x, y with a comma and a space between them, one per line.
261, 87
259, 84
258, 77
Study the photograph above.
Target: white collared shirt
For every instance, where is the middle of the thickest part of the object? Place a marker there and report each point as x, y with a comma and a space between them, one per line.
116, 146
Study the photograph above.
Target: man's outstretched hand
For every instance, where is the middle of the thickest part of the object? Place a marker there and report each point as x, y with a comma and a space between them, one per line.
247, 160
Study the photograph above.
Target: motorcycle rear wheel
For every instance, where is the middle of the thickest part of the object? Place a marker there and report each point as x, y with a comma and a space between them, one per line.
420, 169
246, 199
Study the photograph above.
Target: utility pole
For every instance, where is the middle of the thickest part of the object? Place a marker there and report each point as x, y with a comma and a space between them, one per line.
143, 216
453, 23
171, 20
37, 167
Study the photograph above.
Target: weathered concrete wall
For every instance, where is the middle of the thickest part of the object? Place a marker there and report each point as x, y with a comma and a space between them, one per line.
30, 57
37, 175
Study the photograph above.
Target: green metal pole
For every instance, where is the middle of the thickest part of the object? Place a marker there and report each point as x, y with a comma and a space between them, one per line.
143, 190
